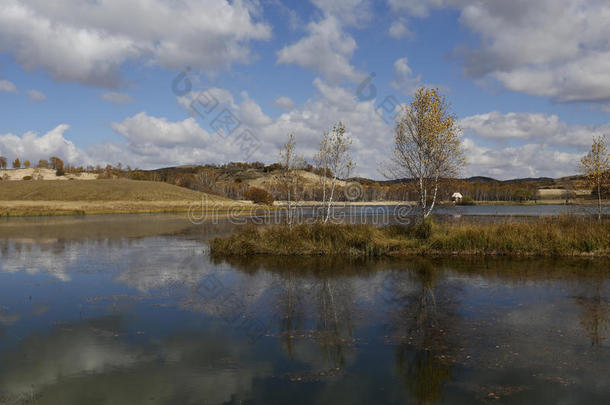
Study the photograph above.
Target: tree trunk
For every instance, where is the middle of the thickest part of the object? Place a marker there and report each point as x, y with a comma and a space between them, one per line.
422, 197
599, 202
330, 199
433, 198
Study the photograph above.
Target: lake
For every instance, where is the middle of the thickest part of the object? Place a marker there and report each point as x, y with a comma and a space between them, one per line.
133, 310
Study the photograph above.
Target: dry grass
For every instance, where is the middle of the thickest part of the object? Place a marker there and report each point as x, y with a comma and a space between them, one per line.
546, 237
74, 197
99, 190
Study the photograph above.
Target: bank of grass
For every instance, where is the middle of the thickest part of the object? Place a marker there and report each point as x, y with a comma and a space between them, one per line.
80, 197
563, 236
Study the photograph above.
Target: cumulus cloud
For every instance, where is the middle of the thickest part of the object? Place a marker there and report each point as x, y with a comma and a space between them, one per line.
33, 147
529, 160
156, 141
542, 128
398, 29
404, 80
326, 50
351, 12
87, 42
35, 96
552, 48
285, 103
499, 145
117, 97
7, 86
525, 144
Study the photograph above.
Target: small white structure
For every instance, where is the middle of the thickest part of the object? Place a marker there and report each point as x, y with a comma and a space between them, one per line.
456, 197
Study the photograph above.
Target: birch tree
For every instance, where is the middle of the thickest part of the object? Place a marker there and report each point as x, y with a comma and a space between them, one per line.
427, 147
289, 177
333, 160
596, 167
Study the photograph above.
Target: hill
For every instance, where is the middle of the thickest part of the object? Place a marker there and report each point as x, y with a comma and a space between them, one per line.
98, 190
57, 197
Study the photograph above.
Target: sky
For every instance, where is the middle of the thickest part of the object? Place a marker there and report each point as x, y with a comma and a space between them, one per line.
154, 83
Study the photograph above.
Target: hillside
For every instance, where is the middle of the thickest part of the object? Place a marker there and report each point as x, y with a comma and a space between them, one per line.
57, 197
98, 190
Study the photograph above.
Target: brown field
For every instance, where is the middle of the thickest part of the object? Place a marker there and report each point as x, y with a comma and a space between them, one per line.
74, 197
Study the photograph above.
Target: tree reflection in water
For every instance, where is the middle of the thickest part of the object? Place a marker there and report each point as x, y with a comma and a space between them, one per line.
423, 322
595, 311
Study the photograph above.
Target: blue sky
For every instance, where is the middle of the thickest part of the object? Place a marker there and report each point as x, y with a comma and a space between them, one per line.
92, 81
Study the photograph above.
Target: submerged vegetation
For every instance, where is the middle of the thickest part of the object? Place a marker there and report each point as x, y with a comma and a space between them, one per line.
559, 236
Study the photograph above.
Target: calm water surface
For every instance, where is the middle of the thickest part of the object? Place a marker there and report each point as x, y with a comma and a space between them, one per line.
132, 310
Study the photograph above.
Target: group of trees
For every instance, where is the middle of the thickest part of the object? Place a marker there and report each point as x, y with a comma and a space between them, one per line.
54, 163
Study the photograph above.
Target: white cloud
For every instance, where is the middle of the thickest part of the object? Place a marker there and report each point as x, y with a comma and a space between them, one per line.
498, 145
32, 147
7, 86
117, 97
88, 41
35, 96
399, 29
542, 128
553, 48
326, 50
285, 103
350, 12
529, 160
525, 144
403, 77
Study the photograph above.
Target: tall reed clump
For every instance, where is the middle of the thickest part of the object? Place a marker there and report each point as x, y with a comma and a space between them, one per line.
307, 239
559, 236
563, 236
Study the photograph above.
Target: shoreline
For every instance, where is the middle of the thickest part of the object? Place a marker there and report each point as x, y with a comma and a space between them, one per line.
80, 208
34, 208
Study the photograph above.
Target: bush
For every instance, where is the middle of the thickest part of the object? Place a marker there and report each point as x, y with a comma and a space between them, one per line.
27, 177
259, 196
60, 172
466, 201
423, 230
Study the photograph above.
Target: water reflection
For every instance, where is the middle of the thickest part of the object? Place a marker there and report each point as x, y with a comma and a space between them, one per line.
96, 317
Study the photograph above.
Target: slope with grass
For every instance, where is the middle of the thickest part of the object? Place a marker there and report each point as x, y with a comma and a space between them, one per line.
100, 196
545, 237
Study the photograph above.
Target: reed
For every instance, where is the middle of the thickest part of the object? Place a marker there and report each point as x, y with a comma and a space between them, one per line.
558, 236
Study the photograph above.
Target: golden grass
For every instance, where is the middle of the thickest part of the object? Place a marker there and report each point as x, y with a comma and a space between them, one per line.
77, 197
546, 237
98, 190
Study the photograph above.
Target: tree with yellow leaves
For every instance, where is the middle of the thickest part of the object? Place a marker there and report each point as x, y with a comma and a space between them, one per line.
427, 147
595, 165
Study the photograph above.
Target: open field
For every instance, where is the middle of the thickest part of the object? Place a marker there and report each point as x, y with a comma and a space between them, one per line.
563, 236
101, 196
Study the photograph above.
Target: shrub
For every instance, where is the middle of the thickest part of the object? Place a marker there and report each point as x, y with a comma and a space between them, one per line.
60, 172
423, 230
259, 196
466, 200
27, 177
